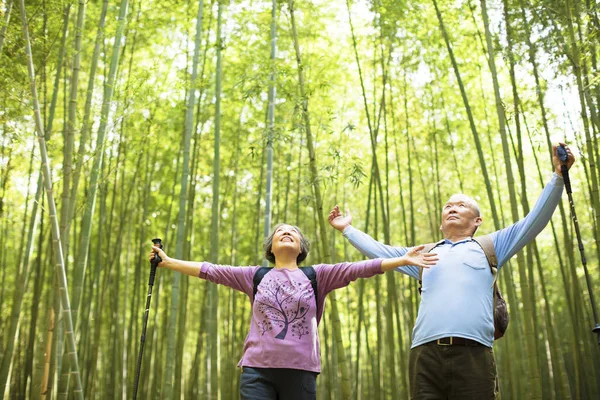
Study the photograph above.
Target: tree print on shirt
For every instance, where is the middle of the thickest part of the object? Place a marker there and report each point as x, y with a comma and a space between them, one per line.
284, 305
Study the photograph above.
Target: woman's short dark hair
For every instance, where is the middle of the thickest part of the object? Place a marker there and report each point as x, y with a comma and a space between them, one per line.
268, 245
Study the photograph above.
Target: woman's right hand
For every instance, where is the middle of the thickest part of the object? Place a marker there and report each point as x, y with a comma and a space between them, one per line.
163, 256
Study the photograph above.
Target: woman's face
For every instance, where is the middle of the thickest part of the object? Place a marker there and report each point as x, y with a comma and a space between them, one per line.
286, 239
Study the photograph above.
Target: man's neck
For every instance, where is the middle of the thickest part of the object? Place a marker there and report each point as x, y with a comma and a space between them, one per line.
457, 237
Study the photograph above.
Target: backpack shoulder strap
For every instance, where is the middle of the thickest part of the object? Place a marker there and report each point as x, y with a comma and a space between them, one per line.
487, 246
258, 276
311, 274
500, 309
427, 249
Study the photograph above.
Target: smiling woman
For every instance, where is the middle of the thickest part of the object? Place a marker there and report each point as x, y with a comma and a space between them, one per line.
283, 233
281, 355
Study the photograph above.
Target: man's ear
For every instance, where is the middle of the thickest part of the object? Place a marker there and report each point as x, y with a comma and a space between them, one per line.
478, 221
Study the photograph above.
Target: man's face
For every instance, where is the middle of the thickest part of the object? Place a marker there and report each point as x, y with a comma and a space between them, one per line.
459, 215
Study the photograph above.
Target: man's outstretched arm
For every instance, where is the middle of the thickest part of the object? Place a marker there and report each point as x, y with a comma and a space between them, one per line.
512, 239
365, 243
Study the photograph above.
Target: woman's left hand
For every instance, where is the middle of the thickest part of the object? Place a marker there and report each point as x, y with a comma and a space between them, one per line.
418, 259
412, 257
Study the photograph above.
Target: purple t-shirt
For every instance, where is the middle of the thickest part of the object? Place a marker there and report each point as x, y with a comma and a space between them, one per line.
283, 330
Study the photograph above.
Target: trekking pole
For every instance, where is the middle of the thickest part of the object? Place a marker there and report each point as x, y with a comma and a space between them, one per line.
153, 264
561, 152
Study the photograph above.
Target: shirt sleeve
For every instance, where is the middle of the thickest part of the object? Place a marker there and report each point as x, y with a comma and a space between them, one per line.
510, 240
335, 276
374, 249
238, 278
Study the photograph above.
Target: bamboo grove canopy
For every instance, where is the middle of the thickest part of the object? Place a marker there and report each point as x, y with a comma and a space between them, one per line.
205, 122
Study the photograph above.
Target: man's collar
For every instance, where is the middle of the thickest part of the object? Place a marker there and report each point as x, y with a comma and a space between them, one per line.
448, 241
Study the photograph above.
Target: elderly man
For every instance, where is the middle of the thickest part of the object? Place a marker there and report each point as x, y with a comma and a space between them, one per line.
451, 354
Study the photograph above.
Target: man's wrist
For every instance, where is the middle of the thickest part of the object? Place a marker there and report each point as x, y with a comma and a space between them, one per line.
558, 171
558, 175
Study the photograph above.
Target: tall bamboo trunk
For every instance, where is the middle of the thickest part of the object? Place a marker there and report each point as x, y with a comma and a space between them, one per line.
22, 279
70, 129
337, 333
58, 255
540, 94
41, 344
5, 26
86, 229
213, 301
390, 353
82, 256
576, 60
59, 65
85, 127
526, 289
469, 115
181, 225
270, 125
559, 373
402, 343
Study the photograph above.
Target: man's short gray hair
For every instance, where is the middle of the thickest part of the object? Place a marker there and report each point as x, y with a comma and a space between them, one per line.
472, 203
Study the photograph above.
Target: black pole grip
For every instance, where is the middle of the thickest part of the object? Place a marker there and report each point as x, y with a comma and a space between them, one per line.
155, 261
563, 156
565, 174
561, 152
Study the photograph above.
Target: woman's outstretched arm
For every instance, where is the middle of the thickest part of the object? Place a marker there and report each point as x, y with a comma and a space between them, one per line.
238, 278
334, 276
185, 267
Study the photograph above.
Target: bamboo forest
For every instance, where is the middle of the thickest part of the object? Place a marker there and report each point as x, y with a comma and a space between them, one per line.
206, 123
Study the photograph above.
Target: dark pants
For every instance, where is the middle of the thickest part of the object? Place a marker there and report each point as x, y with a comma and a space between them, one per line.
452, 372
277, 384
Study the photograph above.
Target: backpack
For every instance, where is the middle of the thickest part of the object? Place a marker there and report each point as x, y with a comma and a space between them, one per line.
309, 271
500, 307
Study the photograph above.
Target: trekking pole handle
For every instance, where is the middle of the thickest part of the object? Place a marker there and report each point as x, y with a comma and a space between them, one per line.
155, 261
561, 152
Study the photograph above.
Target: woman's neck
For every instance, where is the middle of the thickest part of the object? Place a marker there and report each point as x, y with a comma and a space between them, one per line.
286, 263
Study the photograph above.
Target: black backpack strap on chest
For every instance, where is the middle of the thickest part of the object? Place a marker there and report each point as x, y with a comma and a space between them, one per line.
258, 276
311, 274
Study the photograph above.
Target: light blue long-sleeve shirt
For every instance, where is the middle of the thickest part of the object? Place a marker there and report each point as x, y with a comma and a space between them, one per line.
457, 295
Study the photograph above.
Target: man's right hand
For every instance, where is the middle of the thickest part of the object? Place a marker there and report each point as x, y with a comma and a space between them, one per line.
338, 220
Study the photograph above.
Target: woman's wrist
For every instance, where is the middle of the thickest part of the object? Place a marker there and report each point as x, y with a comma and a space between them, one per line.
167, 262
391, 263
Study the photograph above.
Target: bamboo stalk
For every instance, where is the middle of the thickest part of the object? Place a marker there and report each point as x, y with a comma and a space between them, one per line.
6, 21
60, 264
526, 289
314, 176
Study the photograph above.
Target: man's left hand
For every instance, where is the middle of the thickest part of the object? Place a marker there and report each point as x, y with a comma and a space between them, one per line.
557, 161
